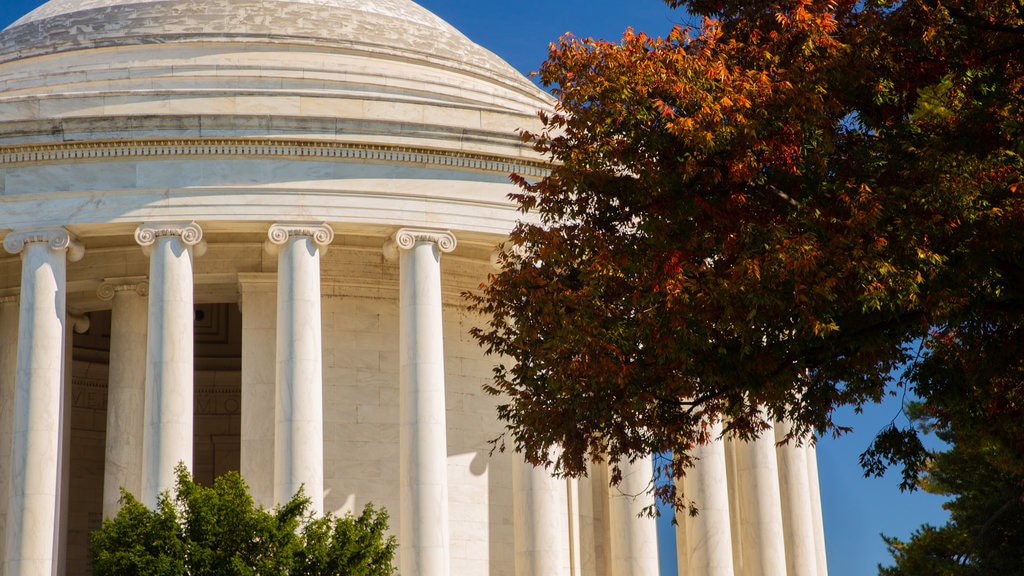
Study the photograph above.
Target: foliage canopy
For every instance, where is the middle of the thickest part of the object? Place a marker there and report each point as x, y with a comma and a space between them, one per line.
218, 531
762, 217
986, 527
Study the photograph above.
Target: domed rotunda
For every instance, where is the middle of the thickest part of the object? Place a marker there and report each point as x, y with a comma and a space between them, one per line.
235, 235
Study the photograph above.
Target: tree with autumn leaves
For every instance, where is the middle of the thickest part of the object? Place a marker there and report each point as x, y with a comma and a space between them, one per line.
766, 216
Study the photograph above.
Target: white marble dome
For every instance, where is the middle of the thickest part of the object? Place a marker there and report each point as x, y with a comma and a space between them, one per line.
358, 91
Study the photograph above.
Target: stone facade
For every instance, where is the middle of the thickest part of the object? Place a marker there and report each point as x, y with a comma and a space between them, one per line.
237, 234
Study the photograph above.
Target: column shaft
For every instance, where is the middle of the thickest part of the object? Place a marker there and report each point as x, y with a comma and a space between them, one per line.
592, 499
760, 507
735, 532
573, 491
797, 521
423, 444
299, 443
38, 400
682, 542
60, 529
168, 422
541, 521
126, 390
259, 366
709, 535
634, 535
816, 516
8, 371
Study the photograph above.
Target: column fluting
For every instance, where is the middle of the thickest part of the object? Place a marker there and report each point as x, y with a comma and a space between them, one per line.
541, 521
8, 374
634, 535
797, 520
299, 422
38, 399
709, 534
592, 500
817, 520
760, 508
423, 445
126, 388
168, 418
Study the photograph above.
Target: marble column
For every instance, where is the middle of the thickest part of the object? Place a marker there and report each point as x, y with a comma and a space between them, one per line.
168, 419
763, 547
797, 520
258, 304
634, 534
572, 487
299, 421
682, 542
708, 535
126, 388
814, 487
735, 531
541, 520
8, 371
423, 444
592, 499
38, 400
74, 324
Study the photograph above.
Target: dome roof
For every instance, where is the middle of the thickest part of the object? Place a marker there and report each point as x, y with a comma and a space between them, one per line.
236, 67
386, 26
368, 113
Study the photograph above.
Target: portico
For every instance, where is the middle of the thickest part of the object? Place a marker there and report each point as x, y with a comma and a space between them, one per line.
143, 399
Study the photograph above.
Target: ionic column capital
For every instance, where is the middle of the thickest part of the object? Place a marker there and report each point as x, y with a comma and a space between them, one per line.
112, 286
321, 234
80, 323
58, 238
407, 238
189, 233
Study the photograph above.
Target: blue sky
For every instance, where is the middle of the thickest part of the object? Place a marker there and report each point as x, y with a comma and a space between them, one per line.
856, 509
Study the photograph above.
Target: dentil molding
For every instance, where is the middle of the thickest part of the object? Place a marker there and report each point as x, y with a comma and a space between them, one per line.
249, 147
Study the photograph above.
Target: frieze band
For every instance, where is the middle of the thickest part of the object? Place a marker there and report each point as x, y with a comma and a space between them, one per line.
250, 147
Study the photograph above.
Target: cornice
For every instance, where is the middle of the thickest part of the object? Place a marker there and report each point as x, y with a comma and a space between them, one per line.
19, 154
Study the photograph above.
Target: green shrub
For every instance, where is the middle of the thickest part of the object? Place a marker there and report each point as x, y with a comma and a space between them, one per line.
219, 531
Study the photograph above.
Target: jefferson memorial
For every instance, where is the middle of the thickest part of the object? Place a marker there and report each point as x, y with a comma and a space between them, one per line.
235, 234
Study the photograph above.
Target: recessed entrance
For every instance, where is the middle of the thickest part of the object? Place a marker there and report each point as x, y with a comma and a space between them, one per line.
216, 409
